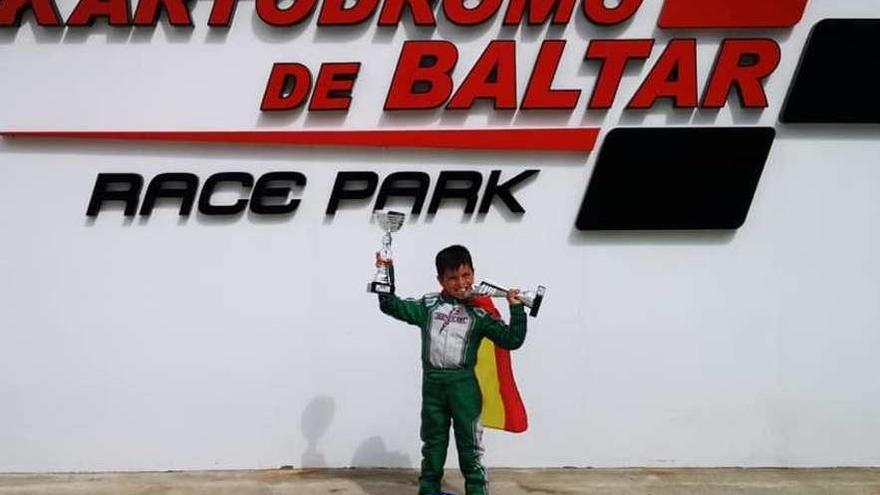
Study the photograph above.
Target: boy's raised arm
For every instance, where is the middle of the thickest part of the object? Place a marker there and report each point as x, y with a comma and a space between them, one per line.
506, 336
411, 311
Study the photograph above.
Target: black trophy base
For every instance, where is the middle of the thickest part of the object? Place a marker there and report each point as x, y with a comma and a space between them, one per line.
536, 303
380, 288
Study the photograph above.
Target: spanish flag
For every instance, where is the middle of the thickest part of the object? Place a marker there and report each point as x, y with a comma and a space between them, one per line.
503, 408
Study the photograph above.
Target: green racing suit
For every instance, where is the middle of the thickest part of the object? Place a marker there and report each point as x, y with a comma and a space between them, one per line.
451, 333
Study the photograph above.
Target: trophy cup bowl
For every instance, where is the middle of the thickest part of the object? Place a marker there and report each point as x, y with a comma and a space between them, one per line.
390, 221
531, 299
383, 282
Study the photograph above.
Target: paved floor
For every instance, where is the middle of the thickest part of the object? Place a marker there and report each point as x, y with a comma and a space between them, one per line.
844, 481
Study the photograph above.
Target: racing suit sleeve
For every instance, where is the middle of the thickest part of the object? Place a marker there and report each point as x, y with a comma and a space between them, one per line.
411, 311
506, 336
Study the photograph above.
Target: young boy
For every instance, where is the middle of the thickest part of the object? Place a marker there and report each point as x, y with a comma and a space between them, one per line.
452, 329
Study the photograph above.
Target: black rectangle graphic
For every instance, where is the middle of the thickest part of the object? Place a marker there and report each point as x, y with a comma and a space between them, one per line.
675, 178
838, 77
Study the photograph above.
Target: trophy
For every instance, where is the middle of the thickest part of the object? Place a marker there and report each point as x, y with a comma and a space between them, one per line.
383, 282
530, 298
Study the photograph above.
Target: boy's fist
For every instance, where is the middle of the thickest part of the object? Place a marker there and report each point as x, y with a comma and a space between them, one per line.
513, 297
380, 261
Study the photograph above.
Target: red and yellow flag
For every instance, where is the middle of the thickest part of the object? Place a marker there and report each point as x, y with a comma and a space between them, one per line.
503, 408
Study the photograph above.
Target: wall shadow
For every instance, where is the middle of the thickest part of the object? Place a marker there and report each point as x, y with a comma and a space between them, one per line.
316, 419
390, 471
372, 453
650, 237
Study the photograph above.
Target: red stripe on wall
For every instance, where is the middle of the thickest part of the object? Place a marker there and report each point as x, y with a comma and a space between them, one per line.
567, 139
731, 13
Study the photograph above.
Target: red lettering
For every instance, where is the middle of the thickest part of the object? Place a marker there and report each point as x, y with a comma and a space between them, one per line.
333, 86
493, 77
117, 12
45, 12
743, 64
270, 13
277, 96
222, 12
614, 55
598, 13
674, 75
422, 78
421, 11
147, 13
539, 91
334, 13
457, 13
539, 11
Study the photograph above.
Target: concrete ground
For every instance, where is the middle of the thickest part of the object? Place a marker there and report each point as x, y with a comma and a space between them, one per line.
841, 481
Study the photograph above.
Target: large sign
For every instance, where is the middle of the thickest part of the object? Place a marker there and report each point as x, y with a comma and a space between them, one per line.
422, 77
422, 80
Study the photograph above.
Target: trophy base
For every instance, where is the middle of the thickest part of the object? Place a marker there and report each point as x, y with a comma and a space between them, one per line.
536, 302
380, 288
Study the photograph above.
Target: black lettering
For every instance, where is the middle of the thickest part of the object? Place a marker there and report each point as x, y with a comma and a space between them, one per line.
503, 191
206, 208
264, 189
107, 189
406, 184
448, 188
168, 186
342, 190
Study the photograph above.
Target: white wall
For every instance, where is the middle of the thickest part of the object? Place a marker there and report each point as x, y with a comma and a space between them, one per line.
191, 343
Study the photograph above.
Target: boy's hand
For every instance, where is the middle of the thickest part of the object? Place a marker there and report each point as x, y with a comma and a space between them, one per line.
380, 261
513, 297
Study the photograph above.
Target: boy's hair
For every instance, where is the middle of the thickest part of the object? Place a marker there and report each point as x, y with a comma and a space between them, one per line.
452, 257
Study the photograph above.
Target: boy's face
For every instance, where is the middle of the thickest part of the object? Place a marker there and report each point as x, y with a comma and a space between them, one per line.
457, 283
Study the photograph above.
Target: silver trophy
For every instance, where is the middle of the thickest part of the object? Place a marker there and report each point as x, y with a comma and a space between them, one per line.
383, 282
531, 298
